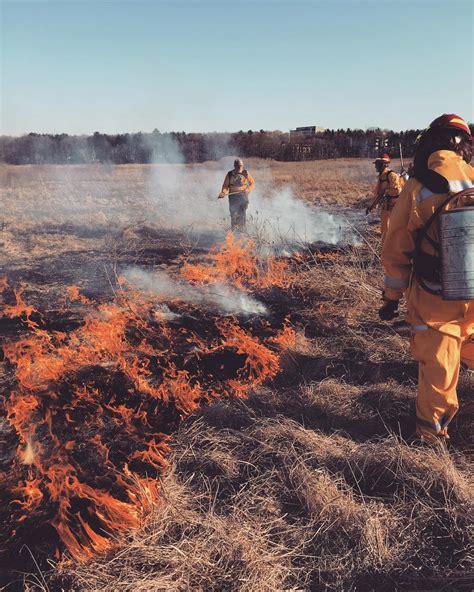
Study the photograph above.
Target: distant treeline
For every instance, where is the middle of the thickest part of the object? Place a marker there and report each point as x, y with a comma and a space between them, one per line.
182, 147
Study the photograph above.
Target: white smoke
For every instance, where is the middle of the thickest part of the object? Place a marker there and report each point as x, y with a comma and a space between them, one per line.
226, 299
184, 197
276, 215
69, 208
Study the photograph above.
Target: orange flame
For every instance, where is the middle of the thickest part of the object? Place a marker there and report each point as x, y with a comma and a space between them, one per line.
123, 338
74, 295
285, 338
20, 308
236, 263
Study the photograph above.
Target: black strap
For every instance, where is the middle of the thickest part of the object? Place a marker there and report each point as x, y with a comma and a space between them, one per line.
424, 236
437, 212
389, 172
433, 180
244, 172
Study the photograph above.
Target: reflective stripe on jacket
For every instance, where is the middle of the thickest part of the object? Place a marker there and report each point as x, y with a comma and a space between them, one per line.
413, 209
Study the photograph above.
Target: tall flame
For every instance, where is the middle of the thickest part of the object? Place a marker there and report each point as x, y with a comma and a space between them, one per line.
237, 263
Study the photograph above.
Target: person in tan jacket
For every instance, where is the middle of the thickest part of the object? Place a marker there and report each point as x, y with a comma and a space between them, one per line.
386, 192
442, 330
238, 183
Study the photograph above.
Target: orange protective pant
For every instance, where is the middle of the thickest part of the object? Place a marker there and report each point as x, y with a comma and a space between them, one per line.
439, 352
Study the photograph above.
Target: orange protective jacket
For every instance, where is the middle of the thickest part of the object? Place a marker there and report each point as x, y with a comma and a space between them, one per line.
389, 184
413, 209
236, 182
442, 330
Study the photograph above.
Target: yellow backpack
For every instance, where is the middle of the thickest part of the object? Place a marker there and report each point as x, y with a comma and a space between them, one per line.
402, 178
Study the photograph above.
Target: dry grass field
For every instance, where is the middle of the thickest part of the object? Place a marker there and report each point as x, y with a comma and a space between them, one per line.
169, 436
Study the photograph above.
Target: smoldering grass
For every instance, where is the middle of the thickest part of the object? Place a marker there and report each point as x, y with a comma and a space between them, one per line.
226, 298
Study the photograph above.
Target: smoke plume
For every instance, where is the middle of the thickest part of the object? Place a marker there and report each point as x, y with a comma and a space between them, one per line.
226, 299
185, 197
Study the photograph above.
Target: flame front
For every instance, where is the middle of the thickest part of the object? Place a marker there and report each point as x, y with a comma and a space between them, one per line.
236, 262
93, 409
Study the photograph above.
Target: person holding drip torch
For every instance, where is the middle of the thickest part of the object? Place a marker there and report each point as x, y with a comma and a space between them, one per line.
238, 183
428, 256
386, 192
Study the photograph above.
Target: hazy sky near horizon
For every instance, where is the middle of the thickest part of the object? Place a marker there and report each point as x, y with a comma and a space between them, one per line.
224, 65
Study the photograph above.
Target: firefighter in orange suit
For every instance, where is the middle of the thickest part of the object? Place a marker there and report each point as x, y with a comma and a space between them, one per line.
442, 330
386, 192
238, 183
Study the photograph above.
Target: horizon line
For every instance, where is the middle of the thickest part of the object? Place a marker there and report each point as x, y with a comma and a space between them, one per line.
82, 134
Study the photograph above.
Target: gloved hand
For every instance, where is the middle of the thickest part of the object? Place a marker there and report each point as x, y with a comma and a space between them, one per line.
389, 310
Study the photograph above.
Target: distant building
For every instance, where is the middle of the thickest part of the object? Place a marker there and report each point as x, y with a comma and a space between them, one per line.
302, 133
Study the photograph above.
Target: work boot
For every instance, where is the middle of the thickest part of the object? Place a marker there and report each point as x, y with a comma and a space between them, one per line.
439, 443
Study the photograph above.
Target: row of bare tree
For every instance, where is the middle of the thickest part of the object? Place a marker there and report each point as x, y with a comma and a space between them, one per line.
156, 147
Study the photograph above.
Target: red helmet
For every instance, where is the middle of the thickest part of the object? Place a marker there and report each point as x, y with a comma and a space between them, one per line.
451, 120
384, 158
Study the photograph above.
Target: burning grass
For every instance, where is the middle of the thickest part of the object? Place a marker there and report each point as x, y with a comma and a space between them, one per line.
236, 262
93, 409
159, 443
308, 484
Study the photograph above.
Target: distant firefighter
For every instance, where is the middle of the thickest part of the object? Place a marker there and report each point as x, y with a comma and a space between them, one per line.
238, 183
386, 191
428, 255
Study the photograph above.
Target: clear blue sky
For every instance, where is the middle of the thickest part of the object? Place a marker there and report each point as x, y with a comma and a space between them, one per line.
125, 66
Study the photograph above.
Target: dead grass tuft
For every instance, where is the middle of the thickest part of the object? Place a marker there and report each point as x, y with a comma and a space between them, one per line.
277, 506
